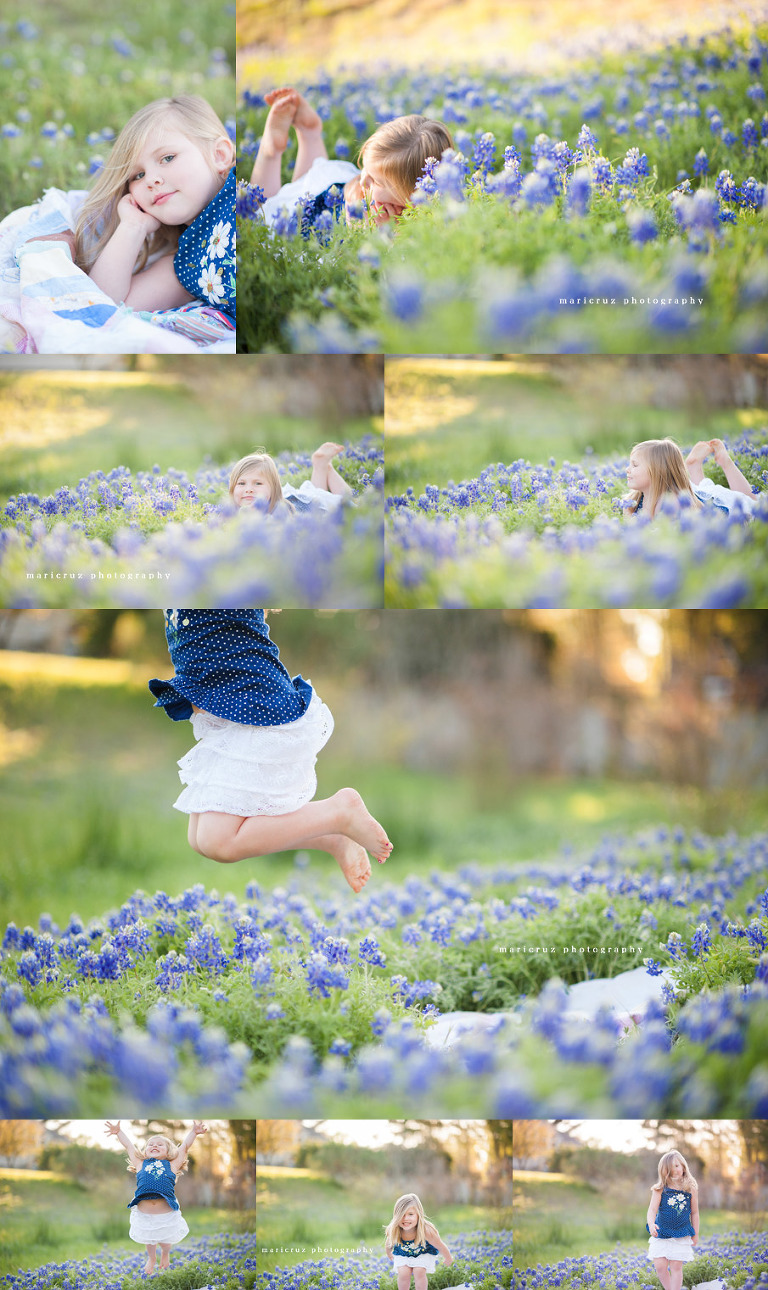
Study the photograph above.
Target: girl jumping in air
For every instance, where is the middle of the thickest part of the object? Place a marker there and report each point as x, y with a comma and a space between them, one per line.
657, 467
413, 1243
391, 161
166, 192
673, 1220
251, 777
255, 478
156, 1218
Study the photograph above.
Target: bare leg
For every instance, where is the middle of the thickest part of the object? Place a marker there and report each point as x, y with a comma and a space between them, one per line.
736, 480
324, 473
192, 831
165, 1256
266, 170
228, 838
662, 1272
403, 1278
149, 1266
419, 1279
309, 136
698, 454
675, 1274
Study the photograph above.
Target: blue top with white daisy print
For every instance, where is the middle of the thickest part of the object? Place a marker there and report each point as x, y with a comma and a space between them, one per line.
674, 1216
155, 1178
205, 260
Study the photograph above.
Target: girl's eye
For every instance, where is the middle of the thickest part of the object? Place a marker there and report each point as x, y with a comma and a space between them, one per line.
169, 157
140, 175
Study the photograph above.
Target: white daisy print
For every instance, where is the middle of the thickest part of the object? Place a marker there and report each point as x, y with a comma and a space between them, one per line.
219, 239
211, 285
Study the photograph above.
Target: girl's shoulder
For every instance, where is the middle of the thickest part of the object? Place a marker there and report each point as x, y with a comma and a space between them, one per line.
430, 1228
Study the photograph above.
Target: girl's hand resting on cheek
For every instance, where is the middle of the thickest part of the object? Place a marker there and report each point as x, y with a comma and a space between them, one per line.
131, 213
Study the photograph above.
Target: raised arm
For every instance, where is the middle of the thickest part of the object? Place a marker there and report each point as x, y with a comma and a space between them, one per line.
114, 1131
196, 1131
653, 1210
434, 1237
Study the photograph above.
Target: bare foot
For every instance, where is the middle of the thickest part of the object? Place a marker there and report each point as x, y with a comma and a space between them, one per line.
149, 1266
719, 449
326, 452
282, 110
360, 825
165, 1261
699, 452
353, 861
306, 117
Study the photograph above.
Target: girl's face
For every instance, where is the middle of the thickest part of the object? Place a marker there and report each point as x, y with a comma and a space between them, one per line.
156, 1149
676, 1170
638, 477
172, 179
410, 1219
385, 204
252, 485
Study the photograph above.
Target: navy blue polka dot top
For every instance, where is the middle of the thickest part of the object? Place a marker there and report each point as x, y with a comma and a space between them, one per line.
205, 260
155, 1178
225, 663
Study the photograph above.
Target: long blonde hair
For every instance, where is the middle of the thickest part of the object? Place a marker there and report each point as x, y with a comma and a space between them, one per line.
172, 1150
261, 460
666, 467
98, 216
400, 149
687, 1183
402, 1205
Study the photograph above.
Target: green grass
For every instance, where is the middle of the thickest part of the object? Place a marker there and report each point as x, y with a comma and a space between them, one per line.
87, 812
562, 1219
449, 422
44, 1220
320, 1212
57, 428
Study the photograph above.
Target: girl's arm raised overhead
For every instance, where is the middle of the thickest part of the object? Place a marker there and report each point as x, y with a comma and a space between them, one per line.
434, 1237
653, 1210
154, 288
197, 1129
114, 1131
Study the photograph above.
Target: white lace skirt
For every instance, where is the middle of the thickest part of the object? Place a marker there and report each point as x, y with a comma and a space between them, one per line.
167, 1228
253, 770
671, 1247
425, 1260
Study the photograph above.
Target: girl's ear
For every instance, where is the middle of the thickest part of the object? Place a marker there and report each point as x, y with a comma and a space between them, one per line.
223, 154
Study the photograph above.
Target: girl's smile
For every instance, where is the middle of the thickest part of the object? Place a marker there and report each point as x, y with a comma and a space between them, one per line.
250, 487
156, 1147
172, 179
382, 199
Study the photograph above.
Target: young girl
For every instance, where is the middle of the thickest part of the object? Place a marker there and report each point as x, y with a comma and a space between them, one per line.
251, 777
413, 1243
673, 1220
391, 160
255, 477
156, 1218
657, 467
166, 191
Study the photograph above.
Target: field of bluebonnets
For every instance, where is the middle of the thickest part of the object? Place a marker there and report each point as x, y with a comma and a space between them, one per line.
741, 1258
199, 1263
481, 1259
293, 1001
139, 537
68, 85
557, 534
618, 208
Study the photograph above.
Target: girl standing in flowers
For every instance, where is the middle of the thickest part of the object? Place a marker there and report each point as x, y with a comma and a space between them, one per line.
156, 1218
392, 160
255, 478
412, 1243
673, 1220
251, 778
657, 467
166, 194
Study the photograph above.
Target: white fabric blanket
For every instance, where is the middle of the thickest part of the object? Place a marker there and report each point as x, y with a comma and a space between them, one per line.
49, 306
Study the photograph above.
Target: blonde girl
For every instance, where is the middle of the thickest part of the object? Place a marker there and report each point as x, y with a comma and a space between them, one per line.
255, 478
156, 1218
165, 195
657, 468
412, 1243
673, 1220
390, 162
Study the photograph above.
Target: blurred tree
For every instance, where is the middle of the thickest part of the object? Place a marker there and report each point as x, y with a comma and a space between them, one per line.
21, 1139
277, 1137
533, 1142
754, 1135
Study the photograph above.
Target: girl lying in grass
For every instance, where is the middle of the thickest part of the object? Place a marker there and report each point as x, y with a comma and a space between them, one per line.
657, 468
255, 479
156, 230
391, 160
